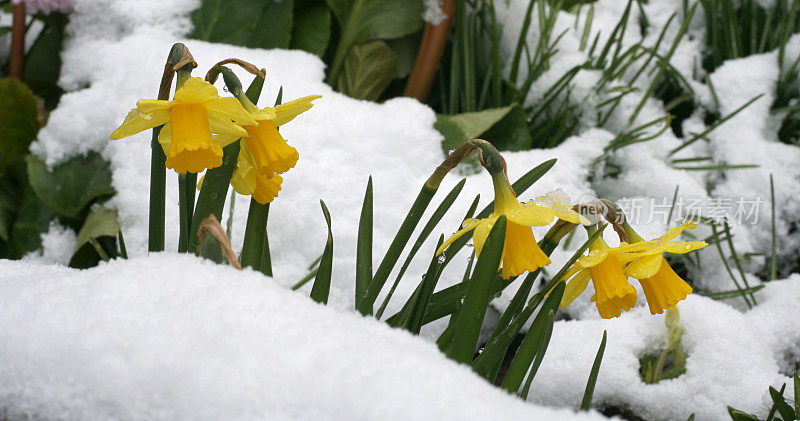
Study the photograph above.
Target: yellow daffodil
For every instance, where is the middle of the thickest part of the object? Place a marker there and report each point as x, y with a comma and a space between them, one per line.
269, 151
662, 286
247, 180
189, 120
520, 251
604, 266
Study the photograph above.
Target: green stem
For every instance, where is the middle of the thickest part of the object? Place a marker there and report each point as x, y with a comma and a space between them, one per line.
254, 234
212, 195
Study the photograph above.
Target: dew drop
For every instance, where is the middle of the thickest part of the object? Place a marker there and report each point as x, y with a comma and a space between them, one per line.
441, 258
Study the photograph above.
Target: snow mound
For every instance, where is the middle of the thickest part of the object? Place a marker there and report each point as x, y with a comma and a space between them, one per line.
136, 339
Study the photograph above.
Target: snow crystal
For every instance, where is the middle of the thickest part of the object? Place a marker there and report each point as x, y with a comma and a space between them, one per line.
433, 12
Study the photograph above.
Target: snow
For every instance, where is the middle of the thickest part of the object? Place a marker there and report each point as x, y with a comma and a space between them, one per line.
732, 357
433, 12
125, 340
131, 340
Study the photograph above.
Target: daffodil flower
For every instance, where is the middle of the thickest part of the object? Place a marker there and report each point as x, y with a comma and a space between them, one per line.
604, 266
662, 286
189, 119
521, 253
269, 151
247, 180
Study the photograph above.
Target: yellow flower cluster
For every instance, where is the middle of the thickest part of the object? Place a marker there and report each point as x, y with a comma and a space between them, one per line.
198, 123
608, 268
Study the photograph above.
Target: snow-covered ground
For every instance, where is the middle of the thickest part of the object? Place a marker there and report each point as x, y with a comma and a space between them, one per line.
127, 338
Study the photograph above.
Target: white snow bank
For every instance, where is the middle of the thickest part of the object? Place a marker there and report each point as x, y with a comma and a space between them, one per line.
732, 358
137, 339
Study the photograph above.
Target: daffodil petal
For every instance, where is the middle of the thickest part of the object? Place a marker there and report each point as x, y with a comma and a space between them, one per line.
196, 90
155, 107
455, 237
264, 114
232, 109
569, 215
165, 137
675, 232
531, 214
285, 113
481, 232
219, 124
683, 247
136, 122
645, 266
575, 287
593, 258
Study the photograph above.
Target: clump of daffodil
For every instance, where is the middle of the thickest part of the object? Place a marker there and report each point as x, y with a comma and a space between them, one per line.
264, 152
521, 253
605, 267
190, 119
662, 286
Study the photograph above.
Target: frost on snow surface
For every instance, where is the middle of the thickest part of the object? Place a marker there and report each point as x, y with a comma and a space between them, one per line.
133, 340
129, 339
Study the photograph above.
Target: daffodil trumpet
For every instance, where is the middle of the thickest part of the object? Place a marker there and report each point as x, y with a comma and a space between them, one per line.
662, 287
521, 253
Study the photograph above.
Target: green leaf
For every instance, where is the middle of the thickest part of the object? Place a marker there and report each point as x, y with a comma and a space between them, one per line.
737, 415
412, 321
322, 283
18, 123
511, 132
247, 23
531, 342
406, 49
365, 304
312, 29
368, 70
33, 219
213, 193
786, 411
479, 293
586, 404
43, 62
8, 208
71, 185
101, 222
365, 20
459, 128
364, 244
377, 19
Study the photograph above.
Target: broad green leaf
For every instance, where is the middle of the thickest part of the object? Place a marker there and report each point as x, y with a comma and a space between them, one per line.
32, 221
511, 132
18, 119
43, 62
406, 48
365, 20
70, 186
312, 29
247, 23
459, 128
101, 222
377, 19
368, 70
